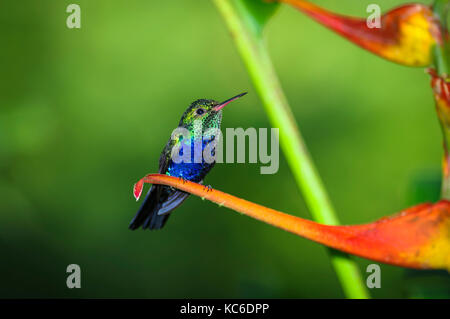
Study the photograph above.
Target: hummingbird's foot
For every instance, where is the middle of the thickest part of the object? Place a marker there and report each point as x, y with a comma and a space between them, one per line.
183, 180
207, 188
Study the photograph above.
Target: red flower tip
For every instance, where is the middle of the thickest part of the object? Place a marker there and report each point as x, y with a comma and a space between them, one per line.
137, 189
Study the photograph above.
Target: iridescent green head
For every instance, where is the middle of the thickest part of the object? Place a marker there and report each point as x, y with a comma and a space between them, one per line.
209, 112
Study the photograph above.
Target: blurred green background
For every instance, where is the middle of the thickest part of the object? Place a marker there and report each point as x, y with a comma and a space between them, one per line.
85, 113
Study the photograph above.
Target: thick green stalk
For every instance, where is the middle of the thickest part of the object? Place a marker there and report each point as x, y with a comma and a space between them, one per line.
440, 8
251, 46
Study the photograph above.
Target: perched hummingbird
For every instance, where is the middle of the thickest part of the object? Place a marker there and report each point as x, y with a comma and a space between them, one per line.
160, 199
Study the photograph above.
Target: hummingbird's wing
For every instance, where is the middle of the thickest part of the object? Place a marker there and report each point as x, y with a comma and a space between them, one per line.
174, 198
173, 201
166, 154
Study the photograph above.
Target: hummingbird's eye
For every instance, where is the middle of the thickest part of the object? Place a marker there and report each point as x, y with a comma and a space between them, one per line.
200, 111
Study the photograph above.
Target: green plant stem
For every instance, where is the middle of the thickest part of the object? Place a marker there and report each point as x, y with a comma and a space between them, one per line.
251, 46
440, 8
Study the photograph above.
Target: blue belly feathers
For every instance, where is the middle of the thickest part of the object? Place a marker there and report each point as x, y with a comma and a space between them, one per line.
191, 171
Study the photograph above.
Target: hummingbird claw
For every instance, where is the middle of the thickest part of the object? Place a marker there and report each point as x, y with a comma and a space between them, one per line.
207, 188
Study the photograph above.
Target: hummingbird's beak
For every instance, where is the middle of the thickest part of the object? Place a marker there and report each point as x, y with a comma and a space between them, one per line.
223, 104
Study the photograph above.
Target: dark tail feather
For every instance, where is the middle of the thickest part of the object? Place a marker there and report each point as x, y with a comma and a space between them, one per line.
156, 221
147, 216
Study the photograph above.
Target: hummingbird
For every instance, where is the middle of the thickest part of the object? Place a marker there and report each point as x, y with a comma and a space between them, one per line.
160, 199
